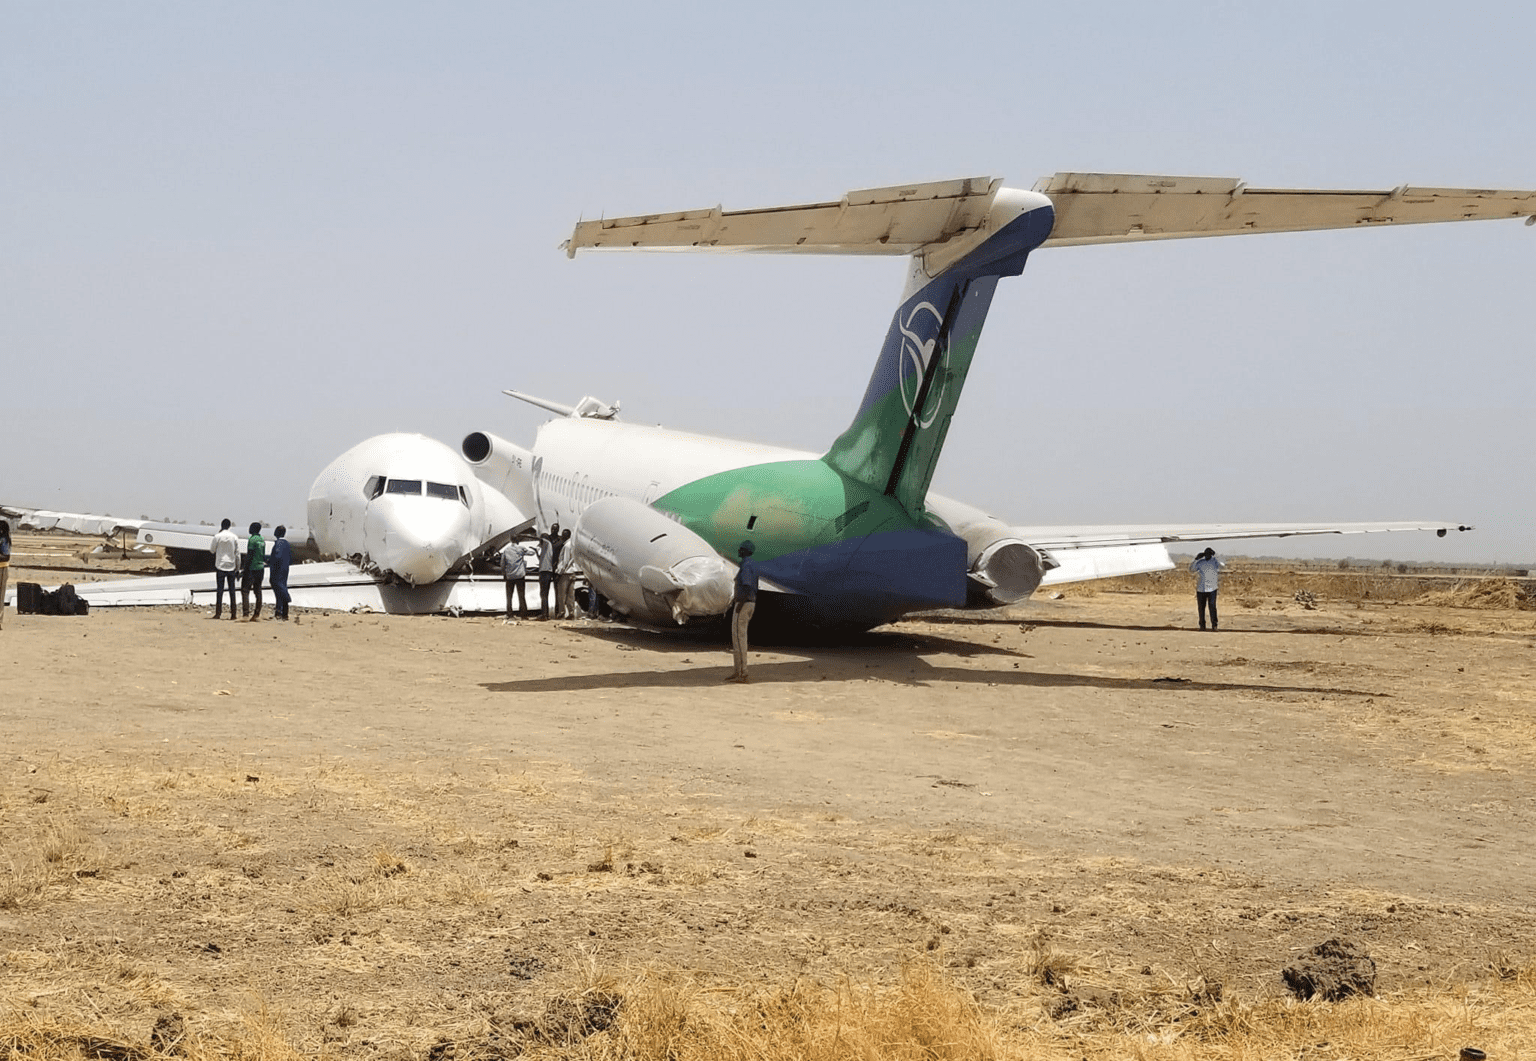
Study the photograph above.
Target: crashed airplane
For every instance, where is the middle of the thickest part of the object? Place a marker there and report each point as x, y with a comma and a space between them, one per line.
852, 537
401, 517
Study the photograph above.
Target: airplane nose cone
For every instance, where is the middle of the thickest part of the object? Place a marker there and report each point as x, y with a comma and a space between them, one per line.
419, 539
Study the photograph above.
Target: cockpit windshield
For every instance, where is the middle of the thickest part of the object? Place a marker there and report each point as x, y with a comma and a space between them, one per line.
378, 484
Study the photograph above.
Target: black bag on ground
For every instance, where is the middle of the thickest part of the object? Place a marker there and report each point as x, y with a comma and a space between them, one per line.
68, 600
29, 597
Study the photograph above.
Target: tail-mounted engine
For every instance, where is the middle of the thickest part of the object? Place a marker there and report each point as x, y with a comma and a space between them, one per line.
649, 566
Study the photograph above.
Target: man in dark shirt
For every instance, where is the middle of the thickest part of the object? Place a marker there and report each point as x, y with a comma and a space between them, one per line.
743, 604
278, 564
549, 556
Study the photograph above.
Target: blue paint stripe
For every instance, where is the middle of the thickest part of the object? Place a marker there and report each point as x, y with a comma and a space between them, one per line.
875, 577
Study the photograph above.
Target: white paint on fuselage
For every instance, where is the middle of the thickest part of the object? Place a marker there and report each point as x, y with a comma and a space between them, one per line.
580, 460
413, 534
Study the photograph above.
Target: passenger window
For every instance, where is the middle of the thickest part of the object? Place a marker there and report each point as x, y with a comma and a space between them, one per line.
404, 486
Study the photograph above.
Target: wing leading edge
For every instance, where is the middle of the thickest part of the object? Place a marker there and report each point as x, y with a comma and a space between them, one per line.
1085, 553
1094, 208
1091, 208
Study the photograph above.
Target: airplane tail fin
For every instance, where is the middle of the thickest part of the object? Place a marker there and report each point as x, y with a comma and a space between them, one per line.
963, 235
899, 430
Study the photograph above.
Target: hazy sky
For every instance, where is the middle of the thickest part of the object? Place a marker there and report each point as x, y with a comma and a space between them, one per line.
236, 239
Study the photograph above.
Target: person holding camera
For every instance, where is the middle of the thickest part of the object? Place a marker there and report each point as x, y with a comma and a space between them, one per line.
1207, 571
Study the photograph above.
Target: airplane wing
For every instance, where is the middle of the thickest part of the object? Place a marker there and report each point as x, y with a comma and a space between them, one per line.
41, 519
185, 544
335, 585
1085, 553
1096, 208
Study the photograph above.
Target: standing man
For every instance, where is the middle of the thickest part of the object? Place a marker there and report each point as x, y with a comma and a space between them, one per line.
565, 578
226, 567
255, 568
279, 561
5, 563
549, 555
743, 604
514, 571
1207, 571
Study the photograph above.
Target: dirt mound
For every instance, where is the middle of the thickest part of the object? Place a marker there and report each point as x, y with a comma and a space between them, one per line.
1333, 971
1488, 593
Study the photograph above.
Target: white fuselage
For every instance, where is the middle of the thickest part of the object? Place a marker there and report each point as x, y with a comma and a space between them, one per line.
579, 461
406, 506
576, 462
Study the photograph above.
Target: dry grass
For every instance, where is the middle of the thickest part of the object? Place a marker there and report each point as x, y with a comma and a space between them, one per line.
437, 910
662, 1016
1250, 583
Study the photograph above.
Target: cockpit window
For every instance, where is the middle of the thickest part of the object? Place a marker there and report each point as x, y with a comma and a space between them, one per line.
373, 487
404, 486
443, 490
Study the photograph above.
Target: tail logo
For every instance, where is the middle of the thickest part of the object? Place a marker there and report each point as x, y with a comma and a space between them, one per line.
919, 336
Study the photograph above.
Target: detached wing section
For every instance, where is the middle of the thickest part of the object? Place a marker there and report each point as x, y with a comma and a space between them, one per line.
1127, 208
899, 220
335, 585
74, 522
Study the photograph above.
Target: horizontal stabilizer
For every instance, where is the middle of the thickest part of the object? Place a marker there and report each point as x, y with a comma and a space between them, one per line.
1096, 208
898, 220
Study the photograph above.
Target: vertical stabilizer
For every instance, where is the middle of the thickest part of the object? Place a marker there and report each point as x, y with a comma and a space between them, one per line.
895, 439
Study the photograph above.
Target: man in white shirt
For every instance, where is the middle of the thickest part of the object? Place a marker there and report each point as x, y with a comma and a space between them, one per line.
1207, 571
225, 548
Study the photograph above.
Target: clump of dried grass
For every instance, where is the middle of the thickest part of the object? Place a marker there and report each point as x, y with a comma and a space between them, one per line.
925, 1016
1491, 593
22, 882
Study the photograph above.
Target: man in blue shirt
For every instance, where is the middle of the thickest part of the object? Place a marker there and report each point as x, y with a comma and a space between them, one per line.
1207, 571
743, 604
278, 564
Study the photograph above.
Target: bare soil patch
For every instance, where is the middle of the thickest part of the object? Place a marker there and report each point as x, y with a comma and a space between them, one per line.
375, 836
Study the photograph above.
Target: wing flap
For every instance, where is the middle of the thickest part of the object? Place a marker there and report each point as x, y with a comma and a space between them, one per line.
1093, 208
897, 220
1111, 561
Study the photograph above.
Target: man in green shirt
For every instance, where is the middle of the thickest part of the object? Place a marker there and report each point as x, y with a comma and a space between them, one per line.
255, 569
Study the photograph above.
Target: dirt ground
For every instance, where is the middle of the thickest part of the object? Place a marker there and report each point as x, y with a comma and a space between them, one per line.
383, 832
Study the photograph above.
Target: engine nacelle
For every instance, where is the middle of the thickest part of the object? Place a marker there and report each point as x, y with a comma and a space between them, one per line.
649, 566
502, 465
1005, 570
